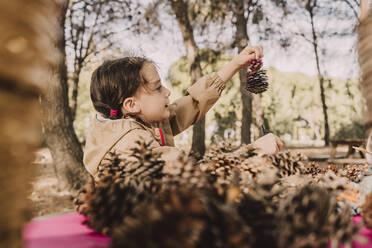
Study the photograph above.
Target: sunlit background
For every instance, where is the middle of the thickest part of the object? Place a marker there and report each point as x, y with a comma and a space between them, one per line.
291, 108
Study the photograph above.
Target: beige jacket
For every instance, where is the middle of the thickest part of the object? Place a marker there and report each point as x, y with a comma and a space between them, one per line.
120, 135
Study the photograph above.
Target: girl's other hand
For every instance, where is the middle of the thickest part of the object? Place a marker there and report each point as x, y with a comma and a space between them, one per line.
249, 53
268, 144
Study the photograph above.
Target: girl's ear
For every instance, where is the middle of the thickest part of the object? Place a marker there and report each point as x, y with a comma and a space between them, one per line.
130, 106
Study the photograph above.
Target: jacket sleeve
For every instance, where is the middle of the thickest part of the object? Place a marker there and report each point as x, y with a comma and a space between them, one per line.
200, 97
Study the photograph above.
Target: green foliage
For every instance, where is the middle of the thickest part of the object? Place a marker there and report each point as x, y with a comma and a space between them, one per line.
291, 105
293, 98
225, 126
355, 129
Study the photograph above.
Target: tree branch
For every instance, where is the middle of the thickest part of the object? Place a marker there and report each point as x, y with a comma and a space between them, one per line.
352, 8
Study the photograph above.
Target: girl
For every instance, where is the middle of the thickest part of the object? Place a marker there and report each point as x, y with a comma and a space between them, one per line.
132, 104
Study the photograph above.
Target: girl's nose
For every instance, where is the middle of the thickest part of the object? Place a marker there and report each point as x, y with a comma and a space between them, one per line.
167, 92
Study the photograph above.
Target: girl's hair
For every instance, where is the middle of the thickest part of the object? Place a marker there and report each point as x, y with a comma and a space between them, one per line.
114, 81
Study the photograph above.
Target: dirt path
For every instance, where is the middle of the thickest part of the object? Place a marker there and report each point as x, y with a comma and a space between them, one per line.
46, 196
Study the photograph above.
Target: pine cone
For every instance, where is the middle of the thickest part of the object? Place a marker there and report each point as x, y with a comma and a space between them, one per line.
83, 196
111, 165
258, 208
182, 218
225, 228
367, 211
332, 182
330, 167
256, 78
255, 166
289, 163
311, 219
219, 164
313, 169
246, 151
215, 149
107, 202
222, 166
355, 172
183, 173
221, 161
143, 171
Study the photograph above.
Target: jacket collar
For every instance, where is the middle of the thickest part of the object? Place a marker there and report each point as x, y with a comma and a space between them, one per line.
155, 130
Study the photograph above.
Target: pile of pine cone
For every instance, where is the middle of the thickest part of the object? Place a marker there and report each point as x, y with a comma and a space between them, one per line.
233, 197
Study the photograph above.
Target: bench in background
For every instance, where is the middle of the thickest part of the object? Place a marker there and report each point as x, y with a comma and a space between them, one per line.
349, 142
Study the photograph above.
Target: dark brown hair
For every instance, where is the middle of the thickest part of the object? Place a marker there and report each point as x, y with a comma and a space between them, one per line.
114, 81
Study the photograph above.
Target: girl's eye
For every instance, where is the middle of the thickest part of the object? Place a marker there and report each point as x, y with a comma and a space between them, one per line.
159, 88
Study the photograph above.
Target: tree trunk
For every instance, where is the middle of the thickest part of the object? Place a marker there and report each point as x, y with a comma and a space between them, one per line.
75, 86
365, 60
241, 39
258, 111
321, 81
26, 51
324, 107
60, 136
180, 8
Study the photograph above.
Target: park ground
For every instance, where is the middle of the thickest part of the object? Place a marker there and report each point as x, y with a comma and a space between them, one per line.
48, 198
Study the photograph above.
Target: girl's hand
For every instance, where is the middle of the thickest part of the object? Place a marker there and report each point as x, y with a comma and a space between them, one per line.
240, 61
268, 144
248, 54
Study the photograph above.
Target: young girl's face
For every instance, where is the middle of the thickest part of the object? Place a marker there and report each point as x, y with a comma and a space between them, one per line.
153, 97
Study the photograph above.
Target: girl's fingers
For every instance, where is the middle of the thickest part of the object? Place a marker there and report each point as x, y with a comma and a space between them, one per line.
279, 143
249, 50
261, 51
252, 52
250, 58
257, 52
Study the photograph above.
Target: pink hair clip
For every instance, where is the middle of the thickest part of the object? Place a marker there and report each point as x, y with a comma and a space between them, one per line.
113, 112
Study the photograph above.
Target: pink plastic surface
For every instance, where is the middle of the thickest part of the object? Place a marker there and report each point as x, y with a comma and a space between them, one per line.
364, 232
64, 231
67, 231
